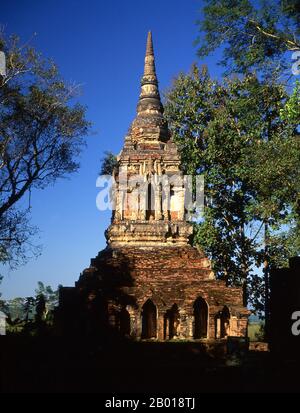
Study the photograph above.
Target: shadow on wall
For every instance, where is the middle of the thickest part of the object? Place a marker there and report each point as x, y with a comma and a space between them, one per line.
98, 304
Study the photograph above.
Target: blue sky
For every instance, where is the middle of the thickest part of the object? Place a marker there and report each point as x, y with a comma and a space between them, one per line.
100, 45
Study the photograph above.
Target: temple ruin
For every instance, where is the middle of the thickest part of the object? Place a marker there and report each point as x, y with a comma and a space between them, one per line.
149, 283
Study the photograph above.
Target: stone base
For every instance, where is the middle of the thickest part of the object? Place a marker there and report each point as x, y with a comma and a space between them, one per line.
141, 234
160, 294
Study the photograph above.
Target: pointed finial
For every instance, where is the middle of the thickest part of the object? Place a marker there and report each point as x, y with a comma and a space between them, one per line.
149, 48
150, 109
149, 68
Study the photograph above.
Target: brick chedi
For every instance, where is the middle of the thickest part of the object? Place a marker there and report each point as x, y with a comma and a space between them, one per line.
145, 215
149, 282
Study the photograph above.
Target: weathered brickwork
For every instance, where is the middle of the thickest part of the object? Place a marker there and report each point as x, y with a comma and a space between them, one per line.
149, 282
148, 211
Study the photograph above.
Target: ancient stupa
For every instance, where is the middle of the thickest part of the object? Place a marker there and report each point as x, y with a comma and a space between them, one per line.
149, 282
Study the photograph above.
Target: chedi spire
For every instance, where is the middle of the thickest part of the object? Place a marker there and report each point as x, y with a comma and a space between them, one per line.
149, 123
149, 68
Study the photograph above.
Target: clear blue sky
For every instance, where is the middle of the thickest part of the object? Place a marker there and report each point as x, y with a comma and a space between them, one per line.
99, 44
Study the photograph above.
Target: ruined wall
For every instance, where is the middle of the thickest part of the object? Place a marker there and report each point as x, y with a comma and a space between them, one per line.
168, 277
149, 282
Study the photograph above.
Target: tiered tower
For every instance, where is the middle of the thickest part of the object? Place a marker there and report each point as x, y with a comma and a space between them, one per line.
150, 283
149, 192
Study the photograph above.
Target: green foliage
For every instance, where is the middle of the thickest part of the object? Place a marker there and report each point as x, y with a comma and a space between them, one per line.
259, 38
252, 35
49, 295
41, 136
291, 111
16, 234
28, 308
31, 315
256, 331
233, 133
108, 163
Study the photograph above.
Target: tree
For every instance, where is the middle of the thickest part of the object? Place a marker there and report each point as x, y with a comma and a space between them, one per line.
234, 133
108, 163
31, 315
28, 309
14, 308
41, 136
50, 296
16, 233
2, 302
40, 309
262, 37
252, 35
